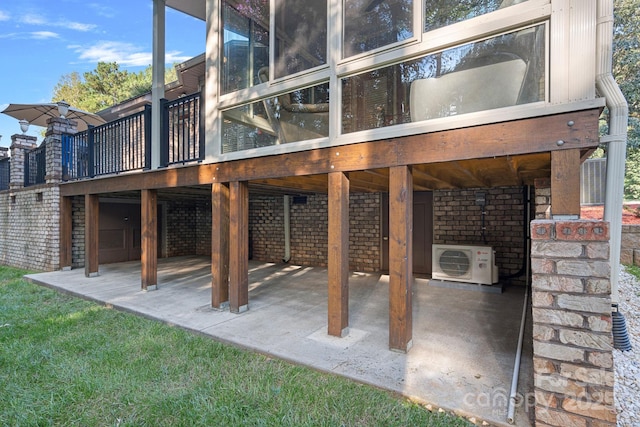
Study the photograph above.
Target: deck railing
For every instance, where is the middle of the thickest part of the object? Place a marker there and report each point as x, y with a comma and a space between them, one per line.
182, 139
35, 165
5, 173
125, 144
122, 145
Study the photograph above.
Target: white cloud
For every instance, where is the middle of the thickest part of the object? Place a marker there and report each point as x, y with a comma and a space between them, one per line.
77, 26
41, 35
36, 19
4, 16
125, 54
33, 19
102, 10
34, 35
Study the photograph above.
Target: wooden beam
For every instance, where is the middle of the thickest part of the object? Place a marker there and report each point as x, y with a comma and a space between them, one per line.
219, 246
565, 183
471, 174
400, 258
238, 246
338, 256
149, 239
532, 135
91, 231
66, 233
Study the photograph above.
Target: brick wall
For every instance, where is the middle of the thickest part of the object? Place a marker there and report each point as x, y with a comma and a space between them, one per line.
309, 229
572, 347
457, 220
181, 228
30, 224
630, 250
77, 239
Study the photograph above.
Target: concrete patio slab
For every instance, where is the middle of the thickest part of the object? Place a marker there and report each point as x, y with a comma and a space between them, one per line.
464, 342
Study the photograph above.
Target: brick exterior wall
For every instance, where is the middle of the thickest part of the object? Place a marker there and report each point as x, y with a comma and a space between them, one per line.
77, 239
457, 220
29, 220
572, 347
630, 250
309, 230
181, 228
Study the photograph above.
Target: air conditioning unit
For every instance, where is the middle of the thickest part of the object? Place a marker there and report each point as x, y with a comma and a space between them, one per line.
460, 263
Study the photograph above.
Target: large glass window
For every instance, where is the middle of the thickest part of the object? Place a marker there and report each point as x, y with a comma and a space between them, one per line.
301, 35
299, 115
245, 43
499, 72
440, 13
370, 24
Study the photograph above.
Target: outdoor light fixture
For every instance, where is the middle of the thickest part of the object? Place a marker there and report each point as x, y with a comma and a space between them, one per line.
63, 109
24, 126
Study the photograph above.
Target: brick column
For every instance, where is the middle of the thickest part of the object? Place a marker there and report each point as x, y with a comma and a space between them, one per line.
19, 145
542, 197
572, 340
4, 152
57, 126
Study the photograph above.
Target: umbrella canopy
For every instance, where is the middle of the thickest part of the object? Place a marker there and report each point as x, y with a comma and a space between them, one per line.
38, 114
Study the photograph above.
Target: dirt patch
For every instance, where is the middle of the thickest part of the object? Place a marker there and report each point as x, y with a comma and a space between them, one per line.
630, 213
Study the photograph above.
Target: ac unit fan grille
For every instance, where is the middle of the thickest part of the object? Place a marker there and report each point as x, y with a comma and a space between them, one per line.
454, 263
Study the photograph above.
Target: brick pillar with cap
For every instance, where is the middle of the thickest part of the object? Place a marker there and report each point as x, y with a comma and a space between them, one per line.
20, 144
572, 339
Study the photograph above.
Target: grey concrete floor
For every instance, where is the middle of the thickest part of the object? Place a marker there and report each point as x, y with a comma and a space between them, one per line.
464, 341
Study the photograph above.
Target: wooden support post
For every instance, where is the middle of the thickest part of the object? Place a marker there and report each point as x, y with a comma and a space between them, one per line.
149, 235
565, 183
238, 246
338, 301
66, 233
91, 224
400, 258
219, 245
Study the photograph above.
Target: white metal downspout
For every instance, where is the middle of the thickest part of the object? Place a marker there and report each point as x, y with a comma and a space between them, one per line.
287, 231
616, 139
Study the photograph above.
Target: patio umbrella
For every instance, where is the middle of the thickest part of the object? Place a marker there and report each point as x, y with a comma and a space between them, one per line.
38, 114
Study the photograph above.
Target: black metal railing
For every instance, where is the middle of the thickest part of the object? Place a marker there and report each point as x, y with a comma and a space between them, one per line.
125, 144
35, 165
5, 173
183, 132
122, 145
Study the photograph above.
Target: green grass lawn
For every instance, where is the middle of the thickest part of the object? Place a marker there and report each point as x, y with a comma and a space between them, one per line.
68, 362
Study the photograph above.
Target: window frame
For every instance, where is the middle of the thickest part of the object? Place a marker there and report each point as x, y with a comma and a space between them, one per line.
513, 18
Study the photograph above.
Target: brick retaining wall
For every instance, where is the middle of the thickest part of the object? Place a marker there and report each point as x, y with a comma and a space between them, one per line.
30, 224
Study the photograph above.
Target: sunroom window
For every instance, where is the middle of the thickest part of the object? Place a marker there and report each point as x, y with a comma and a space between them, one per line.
295, 116
372, 24
245, 43
499, 72
440, 13
301, 35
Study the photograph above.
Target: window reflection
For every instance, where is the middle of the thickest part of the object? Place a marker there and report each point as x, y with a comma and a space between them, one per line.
299, 115
245, 43
301, 35
499, 72
370, 24
440, 13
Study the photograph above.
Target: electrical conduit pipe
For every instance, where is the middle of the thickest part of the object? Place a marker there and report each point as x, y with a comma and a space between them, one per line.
287, 231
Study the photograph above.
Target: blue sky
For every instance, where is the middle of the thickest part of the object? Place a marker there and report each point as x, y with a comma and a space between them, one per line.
42, 40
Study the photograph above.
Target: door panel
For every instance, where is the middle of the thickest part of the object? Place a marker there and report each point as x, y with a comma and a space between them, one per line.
422, 232
119, 234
